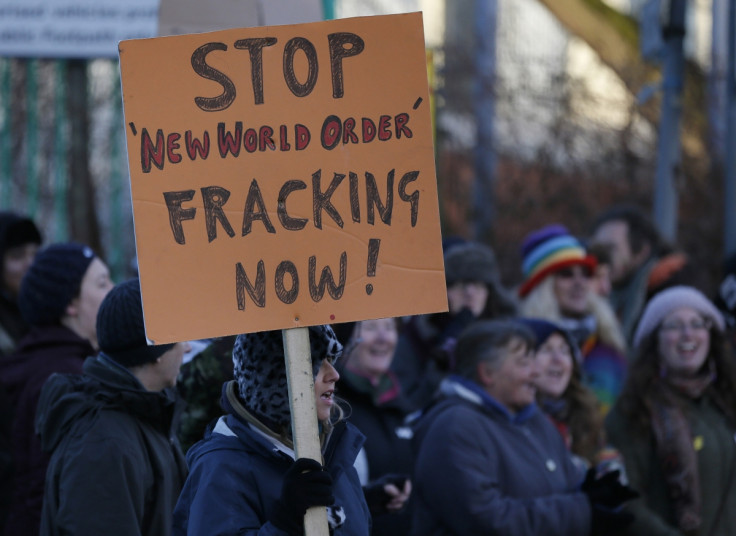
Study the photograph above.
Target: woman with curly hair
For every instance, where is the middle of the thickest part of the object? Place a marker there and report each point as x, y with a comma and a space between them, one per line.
561, 394
676, 418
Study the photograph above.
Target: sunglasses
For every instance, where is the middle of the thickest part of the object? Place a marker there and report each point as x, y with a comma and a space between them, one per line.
572, 271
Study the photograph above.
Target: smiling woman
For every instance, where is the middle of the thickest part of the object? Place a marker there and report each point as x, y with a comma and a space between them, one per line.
569, 404
378, 409
674, 423
558, 286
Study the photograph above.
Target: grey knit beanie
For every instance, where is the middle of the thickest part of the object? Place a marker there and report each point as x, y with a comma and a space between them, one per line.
471, 261
260, 370
670, 299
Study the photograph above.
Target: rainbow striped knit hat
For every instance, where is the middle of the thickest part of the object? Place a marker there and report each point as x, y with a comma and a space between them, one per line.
547, 250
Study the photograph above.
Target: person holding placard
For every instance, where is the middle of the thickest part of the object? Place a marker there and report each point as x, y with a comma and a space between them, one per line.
243, 476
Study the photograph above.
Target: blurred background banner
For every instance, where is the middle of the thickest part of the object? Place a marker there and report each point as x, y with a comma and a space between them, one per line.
192, 16
73, 28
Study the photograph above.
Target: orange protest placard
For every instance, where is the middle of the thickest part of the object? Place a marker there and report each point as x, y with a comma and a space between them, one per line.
282, 176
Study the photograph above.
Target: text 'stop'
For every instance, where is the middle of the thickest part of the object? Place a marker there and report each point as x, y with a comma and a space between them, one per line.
282, 176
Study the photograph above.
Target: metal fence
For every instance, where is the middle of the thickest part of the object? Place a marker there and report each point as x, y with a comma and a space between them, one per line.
62, 153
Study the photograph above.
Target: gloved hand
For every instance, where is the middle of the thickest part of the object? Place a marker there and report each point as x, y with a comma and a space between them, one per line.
607, 496
607, 489
305, 485
378, 498
608, 521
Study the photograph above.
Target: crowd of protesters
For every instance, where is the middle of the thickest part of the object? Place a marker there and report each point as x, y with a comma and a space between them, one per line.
596, 398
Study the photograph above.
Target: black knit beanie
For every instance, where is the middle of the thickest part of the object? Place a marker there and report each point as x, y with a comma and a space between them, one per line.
260, 370
17, 230
543, 330
52, 282
121, 333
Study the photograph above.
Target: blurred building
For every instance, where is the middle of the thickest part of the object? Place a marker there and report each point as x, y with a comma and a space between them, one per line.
569, 133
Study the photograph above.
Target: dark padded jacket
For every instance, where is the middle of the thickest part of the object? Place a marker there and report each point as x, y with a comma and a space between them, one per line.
482, 471
388, 440
236, 474
116, 467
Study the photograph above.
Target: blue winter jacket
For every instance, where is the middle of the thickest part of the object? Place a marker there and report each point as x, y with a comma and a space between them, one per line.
482, 471
235, 481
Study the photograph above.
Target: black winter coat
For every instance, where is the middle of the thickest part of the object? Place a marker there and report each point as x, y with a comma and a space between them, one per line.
116, 467
12, 325
42, 352
388, 442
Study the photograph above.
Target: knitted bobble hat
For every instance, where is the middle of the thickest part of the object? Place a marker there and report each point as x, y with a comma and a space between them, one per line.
53, 280
121, 332
666, 301
471, 261
260, 371
548, 250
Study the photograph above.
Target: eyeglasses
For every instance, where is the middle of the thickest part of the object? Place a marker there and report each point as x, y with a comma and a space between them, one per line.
702, 324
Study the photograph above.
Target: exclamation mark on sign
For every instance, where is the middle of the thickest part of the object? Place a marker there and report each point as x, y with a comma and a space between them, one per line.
373, 245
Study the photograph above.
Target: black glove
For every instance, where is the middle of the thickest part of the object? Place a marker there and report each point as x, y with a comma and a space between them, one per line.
607, 490
607, 495
305, 485
607, 521
376, 497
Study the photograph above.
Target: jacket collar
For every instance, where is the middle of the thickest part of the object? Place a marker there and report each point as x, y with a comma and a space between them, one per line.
122, 390
67, 398
340, 447
472, 392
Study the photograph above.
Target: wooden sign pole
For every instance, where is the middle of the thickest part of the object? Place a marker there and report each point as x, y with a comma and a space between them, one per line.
304, 427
